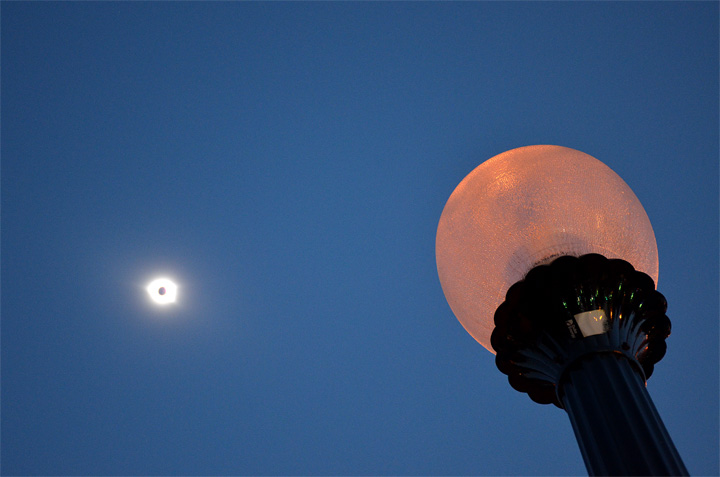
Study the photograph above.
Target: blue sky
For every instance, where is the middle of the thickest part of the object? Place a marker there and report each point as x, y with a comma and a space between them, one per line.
287, 164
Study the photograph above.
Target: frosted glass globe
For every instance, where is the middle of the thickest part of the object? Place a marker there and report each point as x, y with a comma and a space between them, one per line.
525, 207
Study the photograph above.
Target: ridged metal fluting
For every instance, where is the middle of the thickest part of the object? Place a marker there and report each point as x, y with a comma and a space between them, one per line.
536, 333
584, 333
616, 424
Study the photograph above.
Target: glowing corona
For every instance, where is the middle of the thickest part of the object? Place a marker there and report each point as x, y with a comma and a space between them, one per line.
162, 291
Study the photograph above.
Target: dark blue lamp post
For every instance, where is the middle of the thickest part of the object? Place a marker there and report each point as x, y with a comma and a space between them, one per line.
549, 260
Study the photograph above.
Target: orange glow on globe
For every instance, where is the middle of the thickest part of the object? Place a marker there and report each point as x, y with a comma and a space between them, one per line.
525, 207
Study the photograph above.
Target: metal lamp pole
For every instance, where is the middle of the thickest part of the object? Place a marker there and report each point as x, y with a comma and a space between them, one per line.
584, 334
549, 260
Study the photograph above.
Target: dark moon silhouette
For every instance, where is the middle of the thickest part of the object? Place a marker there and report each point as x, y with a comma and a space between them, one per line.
161, 290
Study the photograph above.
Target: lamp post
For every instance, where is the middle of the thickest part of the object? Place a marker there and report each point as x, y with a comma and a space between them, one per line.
549, 260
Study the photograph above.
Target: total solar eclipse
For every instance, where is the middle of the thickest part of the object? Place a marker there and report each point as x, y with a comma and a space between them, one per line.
162, 291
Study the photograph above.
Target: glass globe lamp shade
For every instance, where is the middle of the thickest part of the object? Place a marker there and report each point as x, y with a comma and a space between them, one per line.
525, 207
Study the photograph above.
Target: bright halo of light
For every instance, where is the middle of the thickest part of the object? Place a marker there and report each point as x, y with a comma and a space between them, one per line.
162, 291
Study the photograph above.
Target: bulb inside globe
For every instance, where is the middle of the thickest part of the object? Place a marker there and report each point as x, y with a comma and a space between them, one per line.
526, 207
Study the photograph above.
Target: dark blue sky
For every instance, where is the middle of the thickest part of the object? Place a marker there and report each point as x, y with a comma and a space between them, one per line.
287, 164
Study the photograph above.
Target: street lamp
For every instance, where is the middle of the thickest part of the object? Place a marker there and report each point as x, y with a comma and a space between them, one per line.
548, 259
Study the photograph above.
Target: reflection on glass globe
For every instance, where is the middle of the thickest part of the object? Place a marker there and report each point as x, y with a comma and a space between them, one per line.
525, 207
